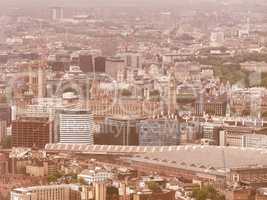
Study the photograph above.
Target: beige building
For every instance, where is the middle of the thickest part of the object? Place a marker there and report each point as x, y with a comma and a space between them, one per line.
53, 192
36, 171
100, 191
41, 170
113, 66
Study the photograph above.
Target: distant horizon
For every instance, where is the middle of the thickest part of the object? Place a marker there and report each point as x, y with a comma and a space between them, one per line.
18, 3
36, 7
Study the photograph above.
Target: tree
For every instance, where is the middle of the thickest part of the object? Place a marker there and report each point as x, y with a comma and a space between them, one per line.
207, 192
264, 114
154, 93
112, 193
82, 181
126, 93
73, 178
154, 186
54, 177
51, 178
7, 142
3, 99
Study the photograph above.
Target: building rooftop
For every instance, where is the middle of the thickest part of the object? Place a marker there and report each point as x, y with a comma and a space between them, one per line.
210, 159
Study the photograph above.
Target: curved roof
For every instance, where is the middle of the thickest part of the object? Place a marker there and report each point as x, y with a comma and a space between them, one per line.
213, 159
203, 158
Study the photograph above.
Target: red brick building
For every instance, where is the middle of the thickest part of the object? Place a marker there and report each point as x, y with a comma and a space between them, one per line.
32, 132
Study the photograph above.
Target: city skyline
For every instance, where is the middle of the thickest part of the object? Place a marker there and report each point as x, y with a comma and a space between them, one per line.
133, 100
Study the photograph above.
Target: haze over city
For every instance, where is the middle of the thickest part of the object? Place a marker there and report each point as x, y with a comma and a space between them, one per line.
133, 100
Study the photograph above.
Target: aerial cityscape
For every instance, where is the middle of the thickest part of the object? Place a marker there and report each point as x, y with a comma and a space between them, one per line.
133, 100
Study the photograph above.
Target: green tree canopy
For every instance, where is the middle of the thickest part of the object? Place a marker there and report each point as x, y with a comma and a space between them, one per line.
153, 186
207, 192
154, 93
82, 181
126, 93
7, 142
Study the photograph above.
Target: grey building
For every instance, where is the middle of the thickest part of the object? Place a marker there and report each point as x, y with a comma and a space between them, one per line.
159, 132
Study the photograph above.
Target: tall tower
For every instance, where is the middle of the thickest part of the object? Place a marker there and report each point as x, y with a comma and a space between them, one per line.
248, 22
228, 108
40, 82
30, 83
172, 104
57, 13
100, 191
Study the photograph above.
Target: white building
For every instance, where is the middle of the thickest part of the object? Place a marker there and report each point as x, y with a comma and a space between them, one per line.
95, 176
49, 192
57, 13
75, 127
254, 141
217, 38
133, 60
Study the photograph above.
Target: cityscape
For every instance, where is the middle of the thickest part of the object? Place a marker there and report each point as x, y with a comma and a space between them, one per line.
133, 100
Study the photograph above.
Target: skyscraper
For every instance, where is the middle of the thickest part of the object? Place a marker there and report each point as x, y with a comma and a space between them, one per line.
172, 96
119, 130
86, 62
100, 64
31, 132
100, 191
133, 59
159, 132
114, 65
75, 126
57, 13
5, 113
3, 130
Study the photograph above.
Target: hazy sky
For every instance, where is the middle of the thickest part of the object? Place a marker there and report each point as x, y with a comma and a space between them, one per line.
86, 2
44, 4
102, 2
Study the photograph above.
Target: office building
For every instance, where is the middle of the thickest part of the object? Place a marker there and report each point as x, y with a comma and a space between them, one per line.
100, 191
100, 64
32, 132
3, 130
250, 176
217, 38
114, 65
75, 126
5, 113
211, 132
212, 105
59, 65
57, 13
40, 169
243, 135
95, 176
3, 164
133, 60
51, 192
144, 195
86, 62
119, 130
159, 132
3, 58
254, 141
